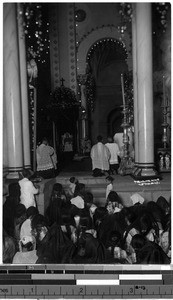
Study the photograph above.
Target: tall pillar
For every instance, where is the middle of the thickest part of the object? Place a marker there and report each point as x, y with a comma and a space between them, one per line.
12, 96
24, 88
134, 54
144, 102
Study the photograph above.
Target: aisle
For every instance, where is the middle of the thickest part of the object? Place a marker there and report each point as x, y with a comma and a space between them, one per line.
84, 165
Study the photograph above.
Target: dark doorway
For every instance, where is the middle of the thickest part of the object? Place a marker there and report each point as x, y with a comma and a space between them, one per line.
114, 121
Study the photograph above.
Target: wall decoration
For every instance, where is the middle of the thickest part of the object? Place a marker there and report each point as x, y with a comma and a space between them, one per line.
78, 42
103, 32
72, 46
54, 47
80, 15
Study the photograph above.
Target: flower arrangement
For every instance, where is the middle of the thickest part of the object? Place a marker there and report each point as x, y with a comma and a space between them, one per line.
63, 98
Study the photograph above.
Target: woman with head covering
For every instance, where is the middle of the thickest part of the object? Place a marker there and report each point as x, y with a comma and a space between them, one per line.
45, 240
9, 248
114, 203
98, 217
26, 225
144, 225
79, 193
157, 213
89, 199
89, 250
20, 217
163, 204
112, 223
27, 251
57, 201
148, 252
71, 187
9, 208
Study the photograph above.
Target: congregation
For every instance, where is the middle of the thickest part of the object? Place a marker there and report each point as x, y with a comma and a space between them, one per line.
75, 230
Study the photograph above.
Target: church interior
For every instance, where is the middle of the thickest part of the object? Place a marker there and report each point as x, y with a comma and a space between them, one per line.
72, 72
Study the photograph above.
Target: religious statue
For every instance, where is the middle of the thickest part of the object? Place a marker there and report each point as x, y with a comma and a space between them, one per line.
161, 162
32, 67
167, 161
82, 146
87, 145
67, 142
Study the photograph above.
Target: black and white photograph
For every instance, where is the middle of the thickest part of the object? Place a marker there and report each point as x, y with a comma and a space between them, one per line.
86, 133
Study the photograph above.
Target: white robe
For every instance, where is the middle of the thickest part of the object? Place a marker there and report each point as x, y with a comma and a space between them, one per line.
115, 152
100, 156
44, 157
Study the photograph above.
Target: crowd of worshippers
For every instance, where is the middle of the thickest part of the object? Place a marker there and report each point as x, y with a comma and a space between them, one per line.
75, 230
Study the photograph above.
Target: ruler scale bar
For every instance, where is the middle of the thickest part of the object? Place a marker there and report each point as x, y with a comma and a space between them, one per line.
86, 282
68, 290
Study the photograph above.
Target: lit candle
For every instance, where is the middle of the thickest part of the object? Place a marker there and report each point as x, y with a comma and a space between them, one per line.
122, 87
164, 94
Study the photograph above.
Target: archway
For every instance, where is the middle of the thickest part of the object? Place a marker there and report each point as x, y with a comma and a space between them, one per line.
106, 32
106, 61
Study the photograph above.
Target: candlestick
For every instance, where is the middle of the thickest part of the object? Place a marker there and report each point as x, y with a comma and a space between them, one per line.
164, 94
122, 87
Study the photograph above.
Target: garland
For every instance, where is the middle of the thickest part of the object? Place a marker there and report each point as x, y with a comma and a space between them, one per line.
31, 117
36, 29
128, 86
90, 91
126, 11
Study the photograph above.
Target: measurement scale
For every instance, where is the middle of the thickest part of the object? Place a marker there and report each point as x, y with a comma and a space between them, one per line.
93, 281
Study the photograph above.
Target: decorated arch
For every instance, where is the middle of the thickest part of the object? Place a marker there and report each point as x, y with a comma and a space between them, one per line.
106, 32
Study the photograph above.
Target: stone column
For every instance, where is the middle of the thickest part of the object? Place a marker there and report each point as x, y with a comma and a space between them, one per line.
134, 53
144, 107
24, 88
12, 96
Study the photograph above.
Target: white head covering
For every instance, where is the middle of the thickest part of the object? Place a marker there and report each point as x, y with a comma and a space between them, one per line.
137, 198
26, 239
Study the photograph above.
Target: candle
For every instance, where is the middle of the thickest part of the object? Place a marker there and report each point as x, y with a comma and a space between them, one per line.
122, 87
164, 94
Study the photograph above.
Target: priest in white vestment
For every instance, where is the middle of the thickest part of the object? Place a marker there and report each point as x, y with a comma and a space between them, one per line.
100, 156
